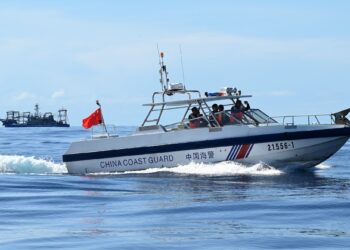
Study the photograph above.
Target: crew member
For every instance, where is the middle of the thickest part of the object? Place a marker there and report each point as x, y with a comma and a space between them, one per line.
194, 117
247, 106
215, 108
216, 113
237, 111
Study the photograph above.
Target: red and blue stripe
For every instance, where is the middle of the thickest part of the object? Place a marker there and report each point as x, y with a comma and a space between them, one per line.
239, 151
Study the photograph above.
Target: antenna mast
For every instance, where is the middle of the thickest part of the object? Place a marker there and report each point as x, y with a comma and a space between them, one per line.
182, 66
164, 80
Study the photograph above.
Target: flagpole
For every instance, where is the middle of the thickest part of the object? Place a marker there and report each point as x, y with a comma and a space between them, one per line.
103, 120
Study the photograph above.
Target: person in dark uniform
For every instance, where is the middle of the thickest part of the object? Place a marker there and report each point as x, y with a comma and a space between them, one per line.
237, 111
195, 119
247, 106
215, 108
217, 115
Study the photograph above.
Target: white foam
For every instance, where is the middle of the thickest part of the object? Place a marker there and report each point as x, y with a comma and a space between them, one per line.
217, 169
29, 165
323, 166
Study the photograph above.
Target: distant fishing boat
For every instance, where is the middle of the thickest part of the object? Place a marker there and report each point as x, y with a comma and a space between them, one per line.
27, 119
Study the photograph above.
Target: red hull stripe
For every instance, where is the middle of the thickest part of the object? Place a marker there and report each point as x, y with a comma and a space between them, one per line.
243, 151
249, 150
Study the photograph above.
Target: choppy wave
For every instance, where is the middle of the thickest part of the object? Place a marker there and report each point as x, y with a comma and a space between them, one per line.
217, 169
29, 165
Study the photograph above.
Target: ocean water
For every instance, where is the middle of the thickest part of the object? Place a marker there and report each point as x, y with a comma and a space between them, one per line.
196, 206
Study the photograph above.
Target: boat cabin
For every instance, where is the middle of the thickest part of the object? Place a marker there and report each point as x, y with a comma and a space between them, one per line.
177, 97
207, 118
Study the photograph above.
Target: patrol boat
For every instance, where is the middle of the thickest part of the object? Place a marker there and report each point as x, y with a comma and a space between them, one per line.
253, 137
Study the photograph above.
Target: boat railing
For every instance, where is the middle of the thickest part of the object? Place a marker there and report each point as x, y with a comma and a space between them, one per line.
164, 94
185, 124
101, 131
293, 120
249, 119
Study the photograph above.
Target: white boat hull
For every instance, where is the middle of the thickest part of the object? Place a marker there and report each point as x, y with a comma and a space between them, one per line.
153, 149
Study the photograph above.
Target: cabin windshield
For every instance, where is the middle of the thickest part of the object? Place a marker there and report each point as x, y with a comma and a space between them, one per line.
260, 116
170, 111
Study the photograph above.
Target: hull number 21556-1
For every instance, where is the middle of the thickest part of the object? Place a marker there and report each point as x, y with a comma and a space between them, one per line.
280, 146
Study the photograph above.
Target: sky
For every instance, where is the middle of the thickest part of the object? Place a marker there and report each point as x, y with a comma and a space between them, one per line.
292, 56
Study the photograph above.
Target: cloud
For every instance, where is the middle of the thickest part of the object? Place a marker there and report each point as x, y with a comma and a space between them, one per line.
57, 94
23, 96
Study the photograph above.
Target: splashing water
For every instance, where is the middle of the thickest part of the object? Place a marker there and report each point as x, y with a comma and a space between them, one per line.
323, 166
217, 169
29, 165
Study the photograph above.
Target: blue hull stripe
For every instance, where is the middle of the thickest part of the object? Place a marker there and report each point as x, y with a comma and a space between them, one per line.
234, 152
167, 148
229, 154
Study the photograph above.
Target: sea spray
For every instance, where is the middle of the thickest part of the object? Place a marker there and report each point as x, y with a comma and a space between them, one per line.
29, 165
323, 166
217, 169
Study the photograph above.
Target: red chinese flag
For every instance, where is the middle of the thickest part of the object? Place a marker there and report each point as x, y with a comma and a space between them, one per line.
93, 119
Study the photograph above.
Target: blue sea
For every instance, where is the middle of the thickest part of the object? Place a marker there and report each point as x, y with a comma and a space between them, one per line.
195, 206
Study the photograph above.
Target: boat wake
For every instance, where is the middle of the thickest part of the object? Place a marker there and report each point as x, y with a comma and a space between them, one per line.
16, 164
217, 169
